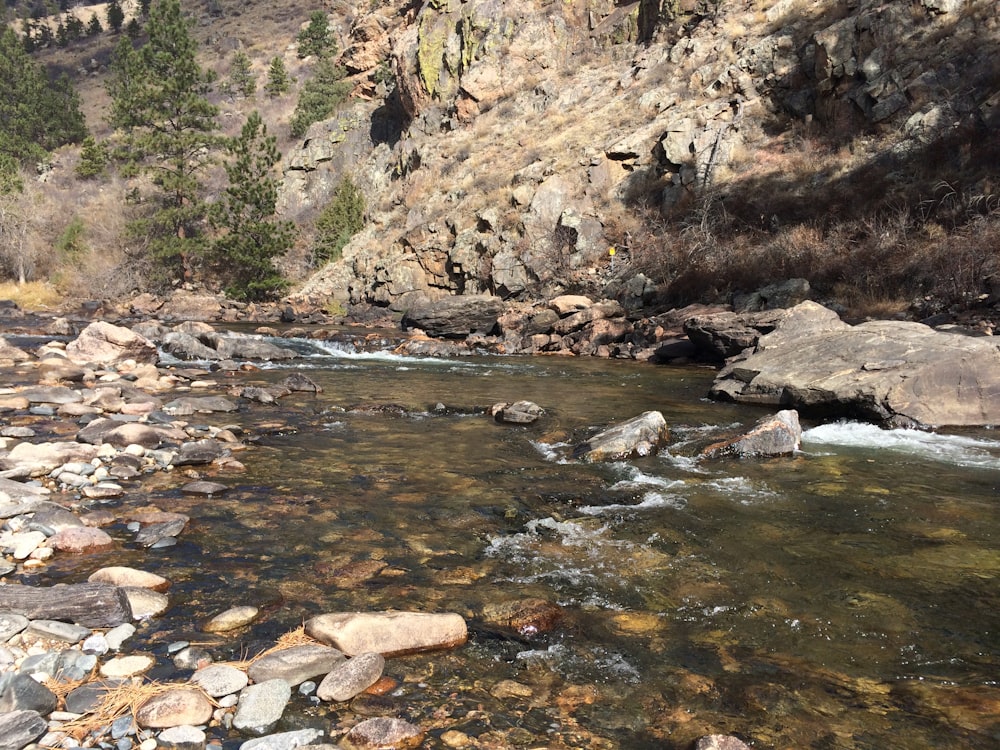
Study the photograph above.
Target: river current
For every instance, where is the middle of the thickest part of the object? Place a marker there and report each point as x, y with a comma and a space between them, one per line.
843, 597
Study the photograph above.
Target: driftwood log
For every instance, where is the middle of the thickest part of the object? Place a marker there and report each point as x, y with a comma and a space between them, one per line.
93, 605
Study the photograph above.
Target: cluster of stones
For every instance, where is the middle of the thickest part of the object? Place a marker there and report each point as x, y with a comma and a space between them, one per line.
346, 657
567, 324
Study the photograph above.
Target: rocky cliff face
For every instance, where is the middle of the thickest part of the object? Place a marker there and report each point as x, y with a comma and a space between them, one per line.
515, 135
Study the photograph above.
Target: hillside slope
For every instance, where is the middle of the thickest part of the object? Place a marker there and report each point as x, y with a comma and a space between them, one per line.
522, 139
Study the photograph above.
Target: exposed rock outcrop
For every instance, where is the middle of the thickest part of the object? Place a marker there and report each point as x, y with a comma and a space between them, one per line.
884, 371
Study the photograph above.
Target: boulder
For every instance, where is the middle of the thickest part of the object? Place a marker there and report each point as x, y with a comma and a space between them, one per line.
10, 353
774, 435
388, 633
123, 576
639, 436
454, 317
104, 343
261, 706
520, 412
726, 334
891, 372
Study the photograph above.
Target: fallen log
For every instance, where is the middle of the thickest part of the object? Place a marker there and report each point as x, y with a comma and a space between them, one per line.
93, 605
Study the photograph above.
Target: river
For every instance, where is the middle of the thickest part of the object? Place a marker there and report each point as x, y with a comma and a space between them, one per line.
843, 597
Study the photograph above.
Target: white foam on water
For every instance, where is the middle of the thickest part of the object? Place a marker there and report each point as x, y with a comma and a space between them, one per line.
957, 450
636, 479
558, 453
608, 664
742, 488
650, 501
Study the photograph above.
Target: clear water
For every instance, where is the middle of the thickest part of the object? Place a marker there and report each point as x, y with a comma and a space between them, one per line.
845, 597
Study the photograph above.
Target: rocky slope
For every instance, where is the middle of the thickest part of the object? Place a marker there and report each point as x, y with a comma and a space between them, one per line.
518, 139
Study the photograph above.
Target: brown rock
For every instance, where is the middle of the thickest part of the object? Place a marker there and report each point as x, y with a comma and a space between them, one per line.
81, 539
526, 616
175, 708
388, 633
122, 576
775, 435
104, 343
383, 733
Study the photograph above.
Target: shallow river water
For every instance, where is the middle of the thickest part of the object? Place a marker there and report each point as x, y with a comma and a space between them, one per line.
845, 597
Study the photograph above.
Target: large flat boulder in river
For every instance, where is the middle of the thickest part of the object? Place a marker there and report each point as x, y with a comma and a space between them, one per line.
892, 372
455, 317
639, 436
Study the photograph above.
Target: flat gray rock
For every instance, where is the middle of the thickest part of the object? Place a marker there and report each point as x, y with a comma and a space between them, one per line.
11, 624
220, 679
891, 372
20, 728
284, 740
351, 677
261, 706
295, 664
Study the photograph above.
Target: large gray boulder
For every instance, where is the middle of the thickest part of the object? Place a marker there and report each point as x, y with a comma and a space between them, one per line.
455, 317
721, 335
891, 372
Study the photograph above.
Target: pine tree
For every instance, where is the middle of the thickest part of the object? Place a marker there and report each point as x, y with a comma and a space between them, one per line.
320, 96
159, 101
93, 159
242, 76
251, 236
38, 114
116, 16
278, 81
343, 217
94, 25
315, 38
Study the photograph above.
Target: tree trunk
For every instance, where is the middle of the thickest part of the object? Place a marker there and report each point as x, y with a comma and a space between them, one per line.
93, 605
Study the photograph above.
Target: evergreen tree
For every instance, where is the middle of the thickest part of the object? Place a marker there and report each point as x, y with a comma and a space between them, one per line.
278, 81
93, 159
75, 28
37, 114
116, 16
251, 236
243, 79
94, 25
315, 38
62, 35
343, 217
159, 101
320, 96
144, 7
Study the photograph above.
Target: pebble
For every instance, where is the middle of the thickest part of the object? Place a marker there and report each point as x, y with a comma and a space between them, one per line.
146, 603
383, 732
127, 666
231, 619
118, 635
176, 707
58, 631
284, 740
296, 664
192, 657
351, 677
124, 576
219, 680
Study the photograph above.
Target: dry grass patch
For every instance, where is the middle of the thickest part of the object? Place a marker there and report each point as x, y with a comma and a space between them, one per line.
33, 296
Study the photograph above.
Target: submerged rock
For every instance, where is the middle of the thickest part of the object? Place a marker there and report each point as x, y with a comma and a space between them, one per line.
295, 664
639, 436
383, 733
520, 412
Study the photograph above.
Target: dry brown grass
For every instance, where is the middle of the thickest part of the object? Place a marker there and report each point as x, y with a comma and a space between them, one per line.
33, 296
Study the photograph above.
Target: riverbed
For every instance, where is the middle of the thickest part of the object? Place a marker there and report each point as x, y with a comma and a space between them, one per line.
845, 596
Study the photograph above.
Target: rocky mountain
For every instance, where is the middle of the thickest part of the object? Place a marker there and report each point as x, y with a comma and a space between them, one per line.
508, 145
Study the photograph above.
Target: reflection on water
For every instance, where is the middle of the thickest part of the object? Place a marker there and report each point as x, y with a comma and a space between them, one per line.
844, 597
